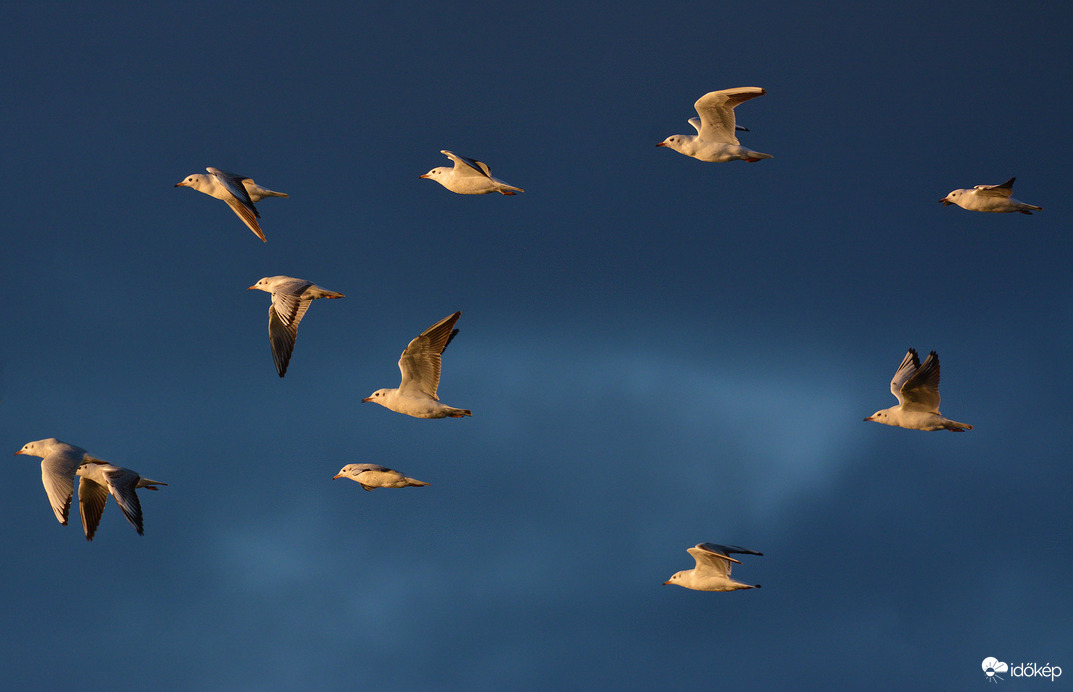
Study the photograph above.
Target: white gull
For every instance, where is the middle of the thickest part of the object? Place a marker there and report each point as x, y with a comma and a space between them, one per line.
239, 191
916, 387
290, 300
420, 366
992, 198
98, 479
715, 140
468, 177
59, 463
712, 572
371, 476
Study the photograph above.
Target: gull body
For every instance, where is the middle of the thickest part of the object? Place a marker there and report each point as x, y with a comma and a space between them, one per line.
712, 572
290, 300
97, 480
468, 177
715, 140
232, 188
371, 476
420, 366
916, 387
992, 198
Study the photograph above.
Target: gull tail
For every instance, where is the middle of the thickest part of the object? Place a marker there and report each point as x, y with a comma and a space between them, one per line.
272, 193
148, 484
754, 156
954, 426
508, 189
459, 412
414, 482
1025, 208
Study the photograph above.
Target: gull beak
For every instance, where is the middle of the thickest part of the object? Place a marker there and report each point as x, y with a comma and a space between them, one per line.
661, 144
423, 175
251, 287
364, 401
181, 184
19, 452
338, 475
945, 202
666, 582
870, 418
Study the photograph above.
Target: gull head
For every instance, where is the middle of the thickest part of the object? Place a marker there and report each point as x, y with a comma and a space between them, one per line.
879, 417
196, 181
379, 396
435, 173
268, 284
40, 448
951, 198
349, 471
678, 143
674, 578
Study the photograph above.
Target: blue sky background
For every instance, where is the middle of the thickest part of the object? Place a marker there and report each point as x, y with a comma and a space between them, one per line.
657, 351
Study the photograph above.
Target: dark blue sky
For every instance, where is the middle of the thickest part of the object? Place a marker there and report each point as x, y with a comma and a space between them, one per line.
657, 351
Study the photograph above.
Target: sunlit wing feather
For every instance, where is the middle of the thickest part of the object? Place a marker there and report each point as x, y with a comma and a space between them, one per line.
420, 362
921, 391
909, 366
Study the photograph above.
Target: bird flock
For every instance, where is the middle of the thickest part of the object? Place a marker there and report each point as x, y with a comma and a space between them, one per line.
915, 385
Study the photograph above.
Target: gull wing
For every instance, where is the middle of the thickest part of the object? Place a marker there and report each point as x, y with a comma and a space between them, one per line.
121, 483
286, 311
92, 496
420, 362
58, 476
1003, 190
241, 203
234, 184
909, 366
712, 558
921, 391
716, 111
371, 467
249, 215
467, 166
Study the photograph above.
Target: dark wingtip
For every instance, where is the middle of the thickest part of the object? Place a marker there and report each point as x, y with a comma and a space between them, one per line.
454, 333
